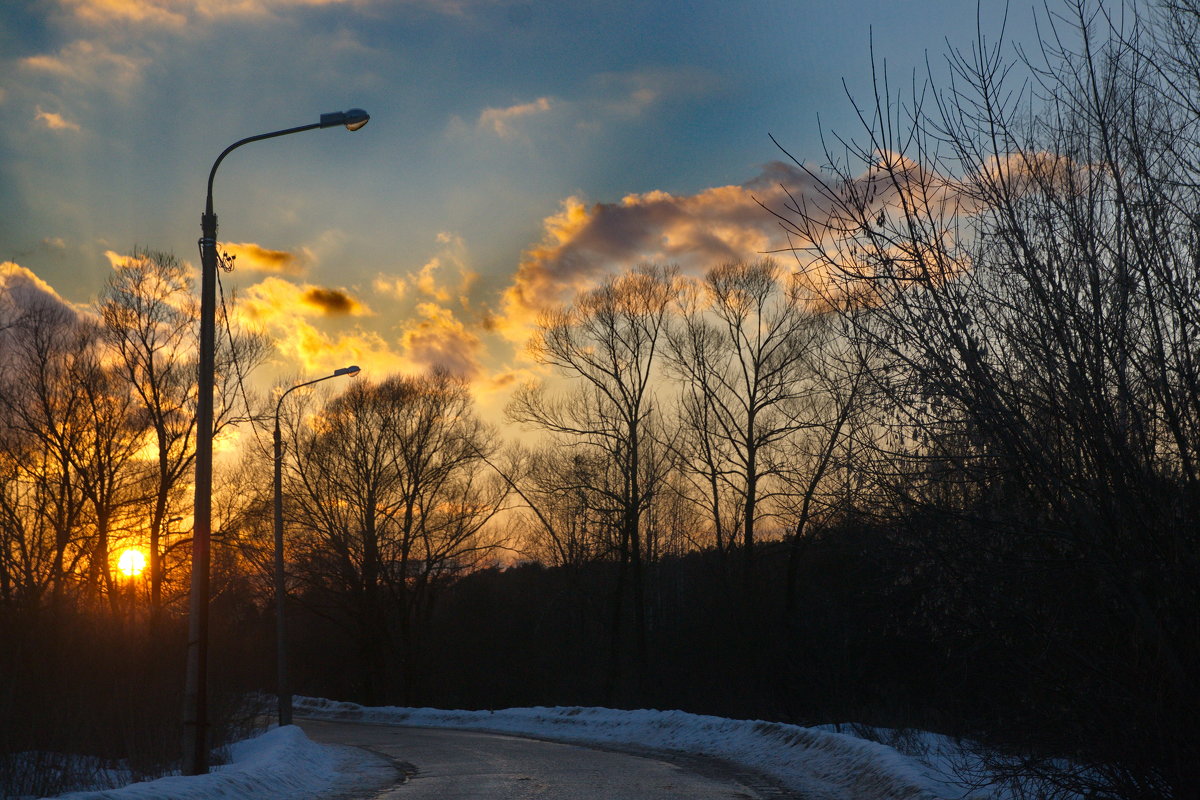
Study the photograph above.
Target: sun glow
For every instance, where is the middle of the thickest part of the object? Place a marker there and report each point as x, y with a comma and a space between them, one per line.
132, 563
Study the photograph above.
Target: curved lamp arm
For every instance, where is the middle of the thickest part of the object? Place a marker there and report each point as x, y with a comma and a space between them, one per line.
337, 373
353, 119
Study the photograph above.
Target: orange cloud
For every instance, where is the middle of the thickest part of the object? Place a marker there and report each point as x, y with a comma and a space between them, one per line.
500, 121
283, 310
267, 301
249, 255
391, 286
298, 341
21, 290
179, 13
443, 277
438, 339
141, 12
426, 280
55, 122
118, 260
331, 301
434, 339
582, 244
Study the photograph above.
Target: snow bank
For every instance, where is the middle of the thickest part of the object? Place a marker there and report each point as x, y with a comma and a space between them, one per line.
821, 764
281, 764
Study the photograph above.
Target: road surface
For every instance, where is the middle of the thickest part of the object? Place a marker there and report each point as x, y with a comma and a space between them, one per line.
441, 764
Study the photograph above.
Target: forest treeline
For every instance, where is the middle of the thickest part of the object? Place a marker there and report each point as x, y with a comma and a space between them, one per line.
935, 465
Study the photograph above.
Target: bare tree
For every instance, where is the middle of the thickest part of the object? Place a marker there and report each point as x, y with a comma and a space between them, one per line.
1021, 259
559, 488
819, 470
607, 345
104, 457
149, 318
390, 488
744, 353
44, 417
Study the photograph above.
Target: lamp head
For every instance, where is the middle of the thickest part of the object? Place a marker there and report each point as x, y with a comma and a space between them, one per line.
351, 370
353, 119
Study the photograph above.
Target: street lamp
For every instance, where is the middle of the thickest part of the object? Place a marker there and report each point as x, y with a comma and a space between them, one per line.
195, 697
285, 694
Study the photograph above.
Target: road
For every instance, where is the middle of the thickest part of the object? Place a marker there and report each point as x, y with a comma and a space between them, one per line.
465, 765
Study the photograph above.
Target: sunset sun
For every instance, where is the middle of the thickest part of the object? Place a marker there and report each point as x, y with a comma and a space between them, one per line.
132, 563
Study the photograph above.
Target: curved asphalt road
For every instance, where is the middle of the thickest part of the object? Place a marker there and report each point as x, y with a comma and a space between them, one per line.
461, 765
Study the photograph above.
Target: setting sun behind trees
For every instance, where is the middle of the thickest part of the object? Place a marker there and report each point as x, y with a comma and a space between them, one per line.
132, 562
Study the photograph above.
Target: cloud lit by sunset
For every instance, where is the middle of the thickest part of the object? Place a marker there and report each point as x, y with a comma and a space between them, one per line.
583, 244
54, 121
438, 340
501, 121
510, 162
275, 298
248, 255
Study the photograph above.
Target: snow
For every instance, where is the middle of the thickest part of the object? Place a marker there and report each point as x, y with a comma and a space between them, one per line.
821, 763
281, 764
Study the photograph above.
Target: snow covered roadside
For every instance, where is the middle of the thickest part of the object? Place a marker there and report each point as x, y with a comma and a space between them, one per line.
281, 764
822, 764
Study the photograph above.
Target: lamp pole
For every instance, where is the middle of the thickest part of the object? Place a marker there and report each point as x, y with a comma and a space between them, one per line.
195, 694
284, 692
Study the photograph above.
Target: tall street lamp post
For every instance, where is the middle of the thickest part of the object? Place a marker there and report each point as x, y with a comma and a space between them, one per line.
195, 696
284, 692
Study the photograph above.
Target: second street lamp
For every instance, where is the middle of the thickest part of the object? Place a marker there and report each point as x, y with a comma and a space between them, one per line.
195, 692
284, 691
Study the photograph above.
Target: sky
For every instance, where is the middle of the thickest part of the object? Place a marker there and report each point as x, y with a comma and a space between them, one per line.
517, 151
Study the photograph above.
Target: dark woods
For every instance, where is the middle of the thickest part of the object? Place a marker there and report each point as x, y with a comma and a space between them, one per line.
97, 433
935, 467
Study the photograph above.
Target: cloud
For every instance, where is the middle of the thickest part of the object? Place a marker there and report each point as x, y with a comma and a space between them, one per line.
426, 280
29, 305
444, 277
160, 13
429, 280
434, 338
290, 315
249, 255
299, 341
603, 100
90, 63
118, 260
331, 302
582, 244
178, 14
55, 122
21, 291
273, 298
438, 339
390, 286
501, 121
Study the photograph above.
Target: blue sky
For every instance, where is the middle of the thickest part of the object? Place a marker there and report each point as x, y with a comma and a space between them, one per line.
517, 150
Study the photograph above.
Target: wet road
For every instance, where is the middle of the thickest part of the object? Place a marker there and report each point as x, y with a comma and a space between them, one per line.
462, 765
